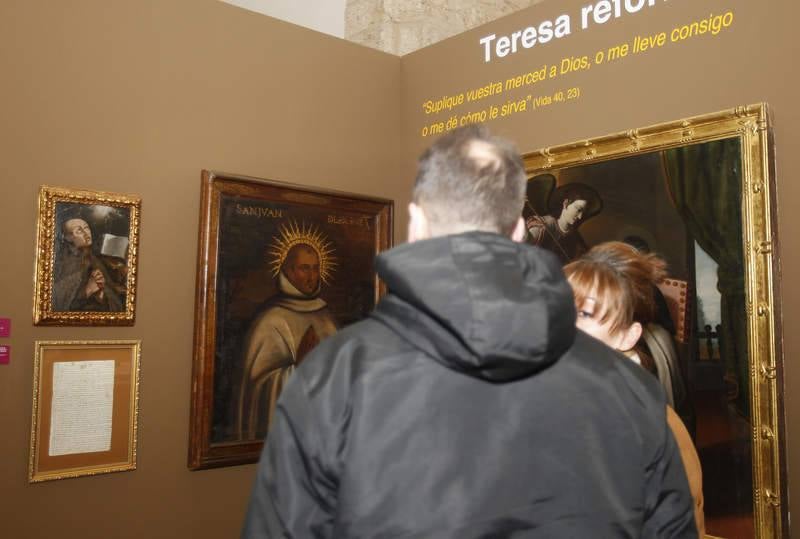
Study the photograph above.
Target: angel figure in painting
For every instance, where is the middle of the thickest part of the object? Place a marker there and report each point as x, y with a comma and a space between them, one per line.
553, 215
292, 323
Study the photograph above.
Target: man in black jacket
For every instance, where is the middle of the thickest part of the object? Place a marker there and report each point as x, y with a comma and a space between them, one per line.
467, 405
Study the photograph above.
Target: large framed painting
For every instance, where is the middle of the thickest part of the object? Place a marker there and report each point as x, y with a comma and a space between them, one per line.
86, 251
280, 267
700, 193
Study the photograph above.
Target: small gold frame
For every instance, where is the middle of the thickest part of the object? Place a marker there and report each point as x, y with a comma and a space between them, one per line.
751, 125
122, 212
124, 429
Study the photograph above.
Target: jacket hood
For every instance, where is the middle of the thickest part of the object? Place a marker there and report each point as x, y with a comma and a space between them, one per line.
479, 303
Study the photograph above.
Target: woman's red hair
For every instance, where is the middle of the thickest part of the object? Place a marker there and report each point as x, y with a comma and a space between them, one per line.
620, 280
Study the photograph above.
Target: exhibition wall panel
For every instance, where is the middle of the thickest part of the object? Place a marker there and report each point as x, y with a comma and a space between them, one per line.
139, 97
593, 68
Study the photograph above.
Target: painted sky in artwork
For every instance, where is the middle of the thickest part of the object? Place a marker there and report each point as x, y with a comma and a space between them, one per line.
707, 293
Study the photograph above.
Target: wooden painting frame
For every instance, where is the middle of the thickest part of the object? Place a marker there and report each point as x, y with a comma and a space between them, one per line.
80, 282
749, 127
247, 226
47, 463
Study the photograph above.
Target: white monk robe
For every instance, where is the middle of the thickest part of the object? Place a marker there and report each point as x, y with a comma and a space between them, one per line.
278, 339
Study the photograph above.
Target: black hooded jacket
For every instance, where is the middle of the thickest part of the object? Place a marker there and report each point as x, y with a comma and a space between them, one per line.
468, 406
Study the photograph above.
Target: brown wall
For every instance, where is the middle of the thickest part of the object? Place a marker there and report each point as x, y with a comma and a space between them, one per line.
753, 61
138, 97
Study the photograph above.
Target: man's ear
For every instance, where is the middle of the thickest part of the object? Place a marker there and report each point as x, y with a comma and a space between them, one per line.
519, 231
630, 337
418, 226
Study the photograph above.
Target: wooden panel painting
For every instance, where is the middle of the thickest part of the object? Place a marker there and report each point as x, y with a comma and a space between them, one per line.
281, 267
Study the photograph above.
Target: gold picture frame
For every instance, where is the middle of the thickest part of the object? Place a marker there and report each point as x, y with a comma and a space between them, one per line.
601, 163
85, 408
86, 258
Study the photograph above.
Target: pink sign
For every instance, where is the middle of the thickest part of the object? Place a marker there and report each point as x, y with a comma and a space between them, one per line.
5, 327
5, 354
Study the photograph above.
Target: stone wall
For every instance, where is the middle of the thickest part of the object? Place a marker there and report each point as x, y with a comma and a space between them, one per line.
403, 26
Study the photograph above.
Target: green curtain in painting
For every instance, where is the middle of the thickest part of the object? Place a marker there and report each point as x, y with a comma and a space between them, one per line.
705, 183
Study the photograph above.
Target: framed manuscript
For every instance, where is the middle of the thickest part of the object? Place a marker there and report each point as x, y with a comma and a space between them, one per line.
85, 408
280, 267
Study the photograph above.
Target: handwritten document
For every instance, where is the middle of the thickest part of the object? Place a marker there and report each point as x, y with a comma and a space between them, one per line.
83, 402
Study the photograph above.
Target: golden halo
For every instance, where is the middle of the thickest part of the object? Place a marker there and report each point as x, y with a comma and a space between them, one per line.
291, 234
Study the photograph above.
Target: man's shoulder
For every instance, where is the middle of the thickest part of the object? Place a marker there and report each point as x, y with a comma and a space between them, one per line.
603, 367
615, 393
366, 339
366, 345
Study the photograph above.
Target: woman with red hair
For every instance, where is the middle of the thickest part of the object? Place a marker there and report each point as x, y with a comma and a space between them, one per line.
613, 285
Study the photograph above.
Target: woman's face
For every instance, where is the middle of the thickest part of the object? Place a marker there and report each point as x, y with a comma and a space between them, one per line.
588, 320
572, 213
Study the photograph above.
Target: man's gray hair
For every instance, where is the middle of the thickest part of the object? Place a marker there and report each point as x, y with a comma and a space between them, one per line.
470, 180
